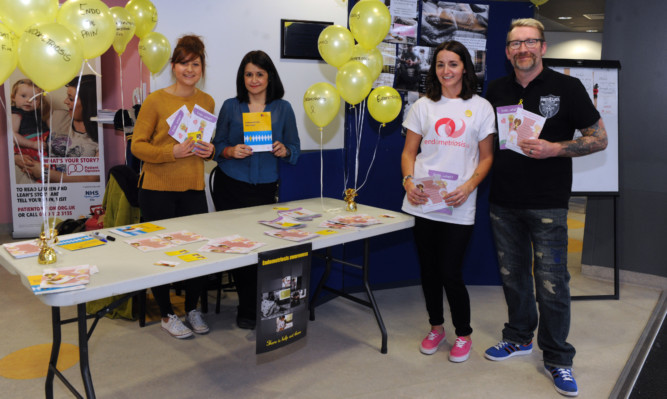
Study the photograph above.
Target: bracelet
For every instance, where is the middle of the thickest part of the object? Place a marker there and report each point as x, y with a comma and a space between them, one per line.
405, 179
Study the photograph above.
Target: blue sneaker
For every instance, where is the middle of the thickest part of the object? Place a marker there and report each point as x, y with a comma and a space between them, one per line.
505, 350
563, 380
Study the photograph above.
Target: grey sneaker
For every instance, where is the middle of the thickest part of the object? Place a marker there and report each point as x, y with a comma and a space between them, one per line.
196, 322
176, 328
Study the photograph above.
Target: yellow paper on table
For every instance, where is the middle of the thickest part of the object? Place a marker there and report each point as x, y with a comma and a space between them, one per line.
192, 257
80, 242
257, 131
178, 252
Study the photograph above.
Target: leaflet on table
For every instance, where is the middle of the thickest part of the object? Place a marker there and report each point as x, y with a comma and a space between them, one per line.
257, 131
147, 244
292, 235
337, 226
181, 237
299, 214
23, 249
136, 229
360, 220
198, 124
449, 182
283, 222
506, 131
231, 244
525, 126
53, 280
81, 241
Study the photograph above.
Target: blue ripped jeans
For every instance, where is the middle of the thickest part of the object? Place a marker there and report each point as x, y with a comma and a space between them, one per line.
527, 241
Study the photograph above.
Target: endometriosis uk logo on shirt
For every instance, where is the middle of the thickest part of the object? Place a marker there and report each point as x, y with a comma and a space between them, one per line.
450, 128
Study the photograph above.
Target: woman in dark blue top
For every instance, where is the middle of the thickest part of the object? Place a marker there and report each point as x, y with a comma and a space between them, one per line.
245, 177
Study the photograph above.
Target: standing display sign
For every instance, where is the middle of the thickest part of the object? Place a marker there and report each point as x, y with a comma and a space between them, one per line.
56, 153
283, 276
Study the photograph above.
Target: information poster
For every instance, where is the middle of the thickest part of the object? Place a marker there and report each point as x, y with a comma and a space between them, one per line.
283, 276
55, 151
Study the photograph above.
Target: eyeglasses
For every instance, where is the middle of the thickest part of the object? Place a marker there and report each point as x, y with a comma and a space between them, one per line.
530, 43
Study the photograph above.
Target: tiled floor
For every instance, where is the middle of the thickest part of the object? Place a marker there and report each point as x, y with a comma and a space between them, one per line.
339, 357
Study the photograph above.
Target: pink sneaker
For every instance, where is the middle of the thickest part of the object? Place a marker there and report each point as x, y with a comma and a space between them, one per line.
460, 350
430, 344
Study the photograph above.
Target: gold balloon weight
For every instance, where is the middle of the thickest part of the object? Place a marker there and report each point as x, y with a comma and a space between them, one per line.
47, 254
351, 206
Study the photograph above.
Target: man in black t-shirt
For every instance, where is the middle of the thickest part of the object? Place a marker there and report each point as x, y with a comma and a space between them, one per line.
529, 199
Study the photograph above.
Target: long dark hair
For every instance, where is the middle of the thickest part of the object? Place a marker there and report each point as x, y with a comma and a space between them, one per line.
88, 101
259, 58
469, 80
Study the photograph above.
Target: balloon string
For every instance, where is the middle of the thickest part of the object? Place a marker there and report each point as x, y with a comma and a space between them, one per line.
122, 105
345, 155
321, 169
3, 104
70, 136
377, 142
356, 152
92, 69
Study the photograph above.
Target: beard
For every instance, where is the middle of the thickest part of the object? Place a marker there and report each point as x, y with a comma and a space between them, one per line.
524, 64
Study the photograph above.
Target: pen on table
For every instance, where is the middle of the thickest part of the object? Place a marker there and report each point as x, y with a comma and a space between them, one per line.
96, 237
104, 236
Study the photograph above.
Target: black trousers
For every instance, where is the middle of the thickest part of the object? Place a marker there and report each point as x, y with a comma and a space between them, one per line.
156, 205
441, 248
229, 194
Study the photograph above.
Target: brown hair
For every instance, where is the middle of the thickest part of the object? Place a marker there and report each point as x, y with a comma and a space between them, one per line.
188, 48
469, 79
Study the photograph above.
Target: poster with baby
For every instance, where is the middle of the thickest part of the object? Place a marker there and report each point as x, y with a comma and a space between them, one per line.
55, 150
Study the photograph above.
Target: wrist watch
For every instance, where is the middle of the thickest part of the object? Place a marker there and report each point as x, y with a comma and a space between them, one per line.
405, 179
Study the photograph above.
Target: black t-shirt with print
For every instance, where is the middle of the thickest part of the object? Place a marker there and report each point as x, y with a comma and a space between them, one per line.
518, 181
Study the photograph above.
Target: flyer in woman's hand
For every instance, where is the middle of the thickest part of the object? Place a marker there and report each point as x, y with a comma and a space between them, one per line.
436, 189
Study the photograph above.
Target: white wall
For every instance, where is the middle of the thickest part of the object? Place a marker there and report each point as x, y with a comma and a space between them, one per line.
573, 45
232, 28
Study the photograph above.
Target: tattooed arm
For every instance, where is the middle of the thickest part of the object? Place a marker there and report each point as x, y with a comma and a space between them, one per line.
593, 139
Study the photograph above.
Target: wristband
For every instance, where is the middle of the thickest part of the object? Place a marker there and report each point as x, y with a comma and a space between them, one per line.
405, 179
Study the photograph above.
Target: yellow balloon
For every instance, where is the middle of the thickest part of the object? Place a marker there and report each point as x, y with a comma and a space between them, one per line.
125, 28
9, 56
154, 50
145, 16
538, 2
371, 58
50, 55
369, 23
335, 45
92, 22
384, 104
321, 103
20, 14
353, 82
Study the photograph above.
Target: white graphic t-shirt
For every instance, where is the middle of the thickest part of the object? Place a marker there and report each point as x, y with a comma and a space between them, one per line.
451, 130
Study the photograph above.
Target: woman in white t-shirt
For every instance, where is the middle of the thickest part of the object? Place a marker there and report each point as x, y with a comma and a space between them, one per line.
449, 141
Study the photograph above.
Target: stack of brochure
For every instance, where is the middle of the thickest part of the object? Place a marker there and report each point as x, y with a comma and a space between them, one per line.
359, 220
292, 235
54, 280
283, 223
23, 249
231, 244
302, 214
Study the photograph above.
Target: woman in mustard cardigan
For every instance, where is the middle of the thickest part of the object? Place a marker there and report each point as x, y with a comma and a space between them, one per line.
171, 183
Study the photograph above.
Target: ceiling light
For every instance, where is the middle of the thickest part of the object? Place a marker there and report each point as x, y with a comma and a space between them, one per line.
592, 30
564, 17
594, 16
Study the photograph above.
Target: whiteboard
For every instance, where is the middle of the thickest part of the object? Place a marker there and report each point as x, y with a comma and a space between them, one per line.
230, 29
596, 173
